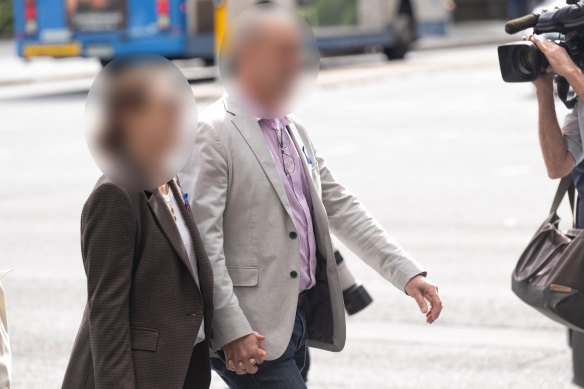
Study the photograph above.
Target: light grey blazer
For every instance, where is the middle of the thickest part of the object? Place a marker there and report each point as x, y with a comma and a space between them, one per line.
245, 220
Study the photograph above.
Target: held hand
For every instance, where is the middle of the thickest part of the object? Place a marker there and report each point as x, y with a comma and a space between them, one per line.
424, 292
243, 354
557, 56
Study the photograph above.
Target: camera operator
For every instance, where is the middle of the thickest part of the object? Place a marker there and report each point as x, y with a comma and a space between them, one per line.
562, 147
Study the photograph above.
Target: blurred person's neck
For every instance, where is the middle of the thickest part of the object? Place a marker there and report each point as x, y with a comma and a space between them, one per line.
164, 189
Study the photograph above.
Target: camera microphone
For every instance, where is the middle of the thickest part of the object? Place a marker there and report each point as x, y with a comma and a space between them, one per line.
522, 23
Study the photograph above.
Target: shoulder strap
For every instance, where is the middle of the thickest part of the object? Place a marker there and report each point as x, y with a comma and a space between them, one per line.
566, 185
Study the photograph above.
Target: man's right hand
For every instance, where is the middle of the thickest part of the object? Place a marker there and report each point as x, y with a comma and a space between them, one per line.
243, 354
558, 58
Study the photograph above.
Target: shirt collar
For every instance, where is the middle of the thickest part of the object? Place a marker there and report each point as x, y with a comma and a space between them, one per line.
284, 121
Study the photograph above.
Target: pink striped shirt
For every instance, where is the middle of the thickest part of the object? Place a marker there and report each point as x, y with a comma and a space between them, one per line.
298, 194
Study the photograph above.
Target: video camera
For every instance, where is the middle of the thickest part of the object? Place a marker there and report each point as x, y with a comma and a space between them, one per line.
523, 61
355, 295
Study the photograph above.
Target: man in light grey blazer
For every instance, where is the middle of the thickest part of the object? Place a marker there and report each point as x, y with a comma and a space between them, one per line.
266, 203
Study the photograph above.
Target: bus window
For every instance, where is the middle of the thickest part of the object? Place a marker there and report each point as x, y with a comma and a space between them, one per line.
329, 12
96, 15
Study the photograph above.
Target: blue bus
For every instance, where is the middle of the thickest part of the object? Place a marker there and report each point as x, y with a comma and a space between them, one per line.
179, 29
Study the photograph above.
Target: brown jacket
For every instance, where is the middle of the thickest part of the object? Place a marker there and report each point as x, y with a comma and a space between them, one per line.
143, 307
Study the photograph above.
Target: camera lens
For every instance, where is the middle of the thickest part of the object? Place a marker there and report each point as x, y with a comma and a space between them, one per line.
525, 62
521, 61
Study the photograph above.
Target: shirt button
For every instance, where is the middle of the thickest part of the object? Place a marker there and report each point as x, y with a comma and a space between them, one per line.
293, 235
293, 274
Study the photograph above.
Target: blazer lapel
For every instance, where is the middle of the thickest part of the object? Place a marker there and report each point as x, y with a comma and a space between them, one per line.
320, 217
300, 148
203, 265
168, 225
299, 144
250, 129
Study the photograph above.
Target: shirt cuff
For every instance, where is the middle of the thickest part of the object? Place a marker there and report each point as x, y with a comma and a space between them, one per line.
575, 149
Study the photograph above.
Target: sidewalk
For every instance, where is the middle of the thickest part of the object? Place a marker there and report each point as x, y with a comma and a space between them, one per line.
453, 357
17, 71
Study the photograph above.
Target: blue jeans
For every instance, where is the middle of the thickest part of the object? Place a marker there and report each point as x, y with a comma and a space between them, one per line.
281, 373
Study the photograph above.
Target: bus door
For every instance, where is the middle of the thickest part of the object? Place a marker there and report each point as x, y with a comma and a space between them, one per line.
200, 29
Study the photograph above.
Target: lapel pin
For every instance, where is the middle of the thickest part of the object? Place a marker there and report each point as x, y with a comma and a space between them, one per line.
185, 197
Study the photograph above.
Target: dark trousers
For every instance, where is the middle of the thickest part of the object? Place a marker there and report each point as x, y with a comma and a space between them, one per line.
199, 373
577, 338
281, 373
306, 368
577, 343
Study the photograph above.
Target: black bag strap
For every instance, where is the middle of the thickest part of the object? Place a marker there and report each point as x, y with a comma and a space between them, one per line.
566, 185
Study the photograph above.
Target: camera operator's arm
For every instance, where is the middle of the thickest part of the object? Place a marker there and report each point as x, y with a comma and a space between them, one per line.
559, 158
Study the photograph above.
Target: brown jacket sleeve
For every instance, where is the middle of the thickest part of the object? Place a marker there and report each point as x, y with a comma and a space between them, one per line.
108, 231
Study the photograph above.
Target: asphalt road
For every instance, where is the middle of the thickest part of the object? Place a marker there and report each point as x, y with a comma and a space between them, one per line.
439, 149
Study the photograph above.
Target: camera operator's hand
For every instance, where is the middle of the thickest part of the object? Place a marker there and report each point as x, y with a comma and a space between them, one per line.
560, 61
562, 64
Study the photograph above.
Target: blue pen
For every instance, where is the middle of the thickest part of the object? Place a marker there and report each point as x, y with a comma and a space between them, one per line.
306, 155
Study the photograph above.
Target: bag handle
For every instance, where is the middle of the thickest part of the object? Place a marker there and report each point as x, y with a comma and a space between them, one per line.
566, 185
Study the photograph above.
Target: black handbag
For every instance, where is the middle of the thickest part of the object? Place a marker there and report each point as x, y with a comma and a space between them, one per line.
549, 275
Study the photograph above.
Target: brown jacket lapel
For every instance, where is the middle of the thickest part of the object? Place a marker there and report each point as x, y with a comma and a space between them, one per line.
203, 265
168, 225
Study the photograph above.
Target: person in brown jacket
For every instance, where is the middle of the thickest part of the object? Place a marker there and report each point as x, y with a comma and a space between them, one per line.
149, 281
5, 354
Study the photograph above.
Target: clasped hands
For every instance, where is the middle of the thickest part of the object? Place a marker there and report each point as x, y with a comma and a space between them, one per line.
244, 354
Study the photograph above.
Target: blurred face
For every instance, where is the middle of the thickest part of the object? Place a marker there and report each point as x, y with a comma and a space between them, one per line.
270, 66
152, 130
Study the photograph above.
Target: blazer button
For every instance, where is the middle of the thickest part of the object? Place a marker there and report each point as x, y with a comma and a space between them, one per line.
293, 235
293, 274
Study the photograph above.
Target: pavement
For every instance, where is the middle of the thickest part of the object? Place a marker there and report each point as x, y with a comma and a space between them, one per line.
438, 148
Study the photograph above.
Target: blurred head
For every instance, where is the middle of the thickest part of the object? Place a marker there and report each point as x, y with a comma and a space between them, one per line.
141, 130
144, 118
269, 56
